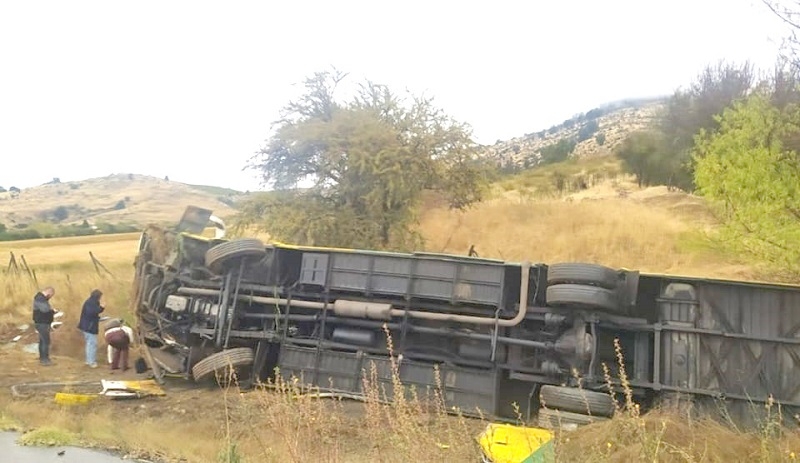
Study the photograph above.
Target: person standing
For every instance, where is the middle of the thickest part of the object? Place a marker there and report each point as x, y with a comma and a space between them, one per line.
43, 314
89, 324
119, 338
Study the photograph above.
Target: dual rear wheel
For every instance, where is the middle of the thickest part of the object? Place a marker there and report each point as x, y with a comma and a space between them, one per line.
579, 286
568, 408
583, 286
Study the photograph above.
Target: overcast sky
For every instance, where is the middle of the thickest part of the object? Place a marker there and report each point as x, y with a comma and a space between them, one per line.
189, 89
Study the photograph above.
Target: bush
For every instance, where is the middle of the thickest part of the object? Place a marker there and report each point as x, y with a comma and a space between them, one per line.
60, 213
557, 152
600, 139
27, 234
588, 130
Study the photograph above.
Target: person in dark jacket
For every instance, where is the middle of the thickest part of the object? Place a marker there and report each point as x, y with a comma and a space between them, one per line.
89, 324
43, 320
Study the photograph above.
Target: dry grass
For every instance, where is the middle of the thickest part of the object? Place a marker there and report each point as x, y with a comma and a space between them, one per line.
73, 285
304, 428
661, 436
674, 436
109, 249
64, 263
541, 182
618, 232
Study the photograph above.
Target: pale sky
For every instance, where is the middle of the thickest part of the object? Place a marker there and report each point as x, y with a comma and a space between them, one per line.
189, 89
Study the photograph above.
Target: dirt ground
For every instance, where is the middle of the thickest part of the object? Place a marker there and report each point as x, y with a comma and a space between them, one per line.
19, 360
195, 422
184, 400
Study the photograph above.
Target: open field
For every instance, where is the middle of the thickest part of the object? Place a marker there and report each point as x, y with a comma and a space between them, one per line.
652, 230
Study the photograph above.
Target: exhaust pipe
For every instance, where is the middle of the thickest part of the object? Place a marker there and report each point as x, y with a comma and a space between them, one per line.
383, 311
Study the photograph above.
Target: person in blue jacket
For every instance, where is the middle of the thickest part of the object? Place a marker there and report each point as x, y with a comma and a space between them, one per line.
89, 324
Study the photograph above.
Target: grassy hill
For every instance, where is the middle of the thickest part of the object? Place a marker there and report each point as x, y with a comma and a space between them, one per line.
115, 199
601, 216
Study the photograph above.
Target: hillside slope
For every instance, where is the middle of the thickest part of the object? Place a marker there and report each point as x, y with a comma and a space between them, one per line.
613, 223
595, 133
120, 198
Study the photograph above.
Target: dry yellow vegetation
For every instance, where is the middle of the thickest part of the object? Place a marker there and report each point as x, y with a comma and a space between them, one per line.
74, 277
652, 230
111, 249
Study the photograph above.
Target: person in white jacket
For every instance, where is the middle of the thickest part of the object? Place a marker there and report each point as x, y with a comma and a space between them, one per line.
119, 338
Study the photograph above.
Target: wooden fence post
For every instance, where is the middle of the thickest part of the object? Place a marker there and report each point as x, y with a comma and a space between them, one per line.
99, 265
12, 263
24, 266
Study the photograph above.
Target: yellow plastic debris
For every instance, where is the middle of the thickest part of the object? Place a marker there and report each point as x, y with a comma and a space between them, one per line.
113, 390
66, 398
505, 443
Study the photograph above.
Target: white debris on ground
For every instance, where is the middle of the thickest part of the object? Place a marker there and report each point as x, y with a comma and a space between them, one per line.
32, 348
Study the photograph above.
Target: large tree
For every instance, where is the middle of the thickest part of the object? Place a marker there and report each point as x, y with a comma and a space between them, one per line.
352, 173
664, 152
695, 108
644, 154
752, 178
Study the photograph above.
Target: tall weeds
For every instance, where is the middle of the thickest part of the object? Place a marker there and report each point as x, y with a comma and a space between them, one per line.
415, 427
666, 435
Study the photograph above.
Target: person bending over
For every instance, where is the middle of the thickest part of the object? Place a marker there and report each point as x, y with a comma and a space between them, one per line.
119, 338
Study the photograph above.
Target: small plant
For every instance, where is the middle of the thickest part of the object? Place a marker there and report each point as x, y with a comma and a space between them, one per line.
7, 423
229, 452
48, 436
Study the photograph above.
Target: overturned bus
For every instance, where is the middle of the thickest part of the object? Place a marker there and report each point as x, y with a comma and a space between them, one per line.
497, 338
